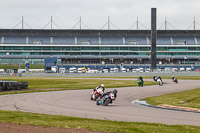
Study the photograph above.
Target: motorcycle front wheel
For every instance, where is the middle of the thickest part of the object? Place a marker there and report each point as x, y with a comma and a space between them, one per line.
106, 102
91, 98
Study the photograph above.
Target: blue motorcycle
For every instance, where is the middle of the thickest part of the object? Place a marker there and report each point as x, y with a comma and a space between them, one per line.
107, 98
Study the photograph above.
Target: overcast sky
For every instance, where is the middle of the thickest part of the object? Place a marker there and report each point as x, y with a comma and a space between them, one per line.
94, 13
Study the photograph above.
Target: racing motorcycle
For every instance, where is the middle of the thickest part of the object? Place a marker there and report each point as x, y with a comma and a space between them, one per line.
107, 98
140, 83
96, 93
175, 80
159, 82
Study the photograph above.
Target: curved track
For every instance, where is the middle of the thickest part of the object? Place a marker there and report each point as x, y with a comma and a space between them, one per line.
77, 103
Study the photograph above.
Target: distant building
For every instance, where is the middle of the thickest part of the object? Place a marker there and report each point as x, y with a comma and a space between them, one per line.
98, 46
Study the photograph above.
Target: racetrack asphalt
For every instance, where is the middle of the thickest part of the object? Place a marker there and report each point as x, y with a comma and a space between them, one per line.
77, 103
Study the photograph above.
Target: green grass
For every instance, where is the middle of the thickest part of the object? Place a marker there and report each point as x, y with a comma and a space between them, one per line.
92, 124
36, 84
189, 98
40, 84
22, 66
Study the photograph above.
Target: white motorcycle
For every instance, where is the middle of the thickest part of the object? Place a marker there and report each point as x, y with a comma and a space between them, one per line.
159, 82
96, 93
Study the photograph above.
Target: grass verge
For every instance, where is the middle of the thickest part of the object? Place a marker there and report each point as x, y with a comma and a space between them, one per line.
22, 66
41, 84
92, 124
189, 98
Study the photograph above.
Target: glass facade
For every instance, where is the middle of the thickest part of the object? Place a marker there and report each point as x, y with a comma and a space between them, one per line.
96, 50
74, 46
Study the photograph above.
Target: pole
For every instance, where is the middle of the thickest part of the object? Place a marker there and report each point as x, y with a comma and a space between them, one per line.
80, 22
22, 22
51, 22
194, 24
108, 23
137, 24
153, 38
165, 23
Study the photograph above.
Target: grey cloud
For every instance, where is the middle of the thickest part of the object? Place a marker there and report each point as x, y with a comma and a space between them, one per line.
123, 13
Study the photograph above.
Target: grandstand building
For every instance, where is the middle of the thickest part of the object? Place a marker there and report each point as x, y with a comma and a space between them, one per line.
98, 46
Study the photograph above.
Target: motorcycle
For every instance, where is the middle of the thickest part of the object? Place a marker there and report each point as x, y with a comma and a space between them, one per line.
140, 83
106, 99
159, 82
96, 93
175, 80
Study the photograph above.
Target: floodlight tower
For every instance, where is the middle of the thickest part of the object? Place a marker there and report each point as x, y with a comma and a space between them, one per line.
153, 39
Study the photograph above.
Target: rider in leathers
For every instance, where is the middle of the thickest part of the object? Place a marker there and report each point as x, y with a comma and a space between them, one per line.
174, 79
100, 88
115, 94
141, 81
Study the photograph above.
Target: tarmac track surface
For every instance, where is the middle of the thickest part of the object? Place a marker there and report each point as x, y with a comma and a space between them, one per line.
77, 103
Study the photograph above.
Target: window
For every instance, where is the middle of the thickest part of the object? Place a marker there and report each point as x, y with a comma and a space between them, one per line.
95, 53
18, 48
162, 49
66, 48
124, 54
35, 53
7, 48
36, 48
46, 48
143, 49
105, 48
76, 48
124, 48
56, 48
94, 48
106, 53
114, 48
85, 48
114, 53
27, 48
133, 49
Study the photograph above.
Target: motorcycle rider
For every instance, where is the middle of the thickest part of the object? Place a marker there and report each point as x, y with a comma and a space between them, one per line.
100, 88
140, 81
174, 79
141, 78
159, 80
159, 77
155, 78
114, 92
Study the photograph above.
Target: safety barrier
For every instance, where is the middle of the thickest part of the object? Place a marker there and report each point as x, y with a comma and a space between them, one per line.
12, 85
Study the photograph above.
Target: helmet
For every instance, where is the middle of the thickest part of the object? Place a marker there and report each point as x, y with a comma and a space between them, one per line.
172, 76
102, 85
115, 91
